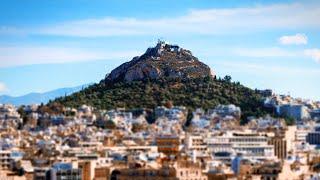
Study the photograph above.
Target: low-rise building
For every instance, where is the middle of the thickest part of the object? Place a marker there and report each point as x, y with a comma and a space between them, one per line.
60, 171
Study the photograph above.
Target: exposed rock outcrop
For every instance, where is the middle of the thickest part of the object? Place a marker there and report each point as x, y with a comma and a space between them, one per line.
163, 60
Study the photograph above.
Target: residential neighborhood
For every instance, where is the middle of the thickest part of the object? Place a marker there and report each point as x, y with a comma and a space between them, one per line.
86, 143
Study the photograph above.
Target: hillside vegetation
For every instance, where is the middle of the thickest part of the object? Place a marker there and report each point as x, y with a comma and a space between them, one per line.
166, 73
203, 93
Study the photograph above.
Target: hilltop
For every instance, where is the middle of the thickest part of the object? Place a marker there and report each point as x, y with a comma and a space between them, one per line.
166, 73
162, 61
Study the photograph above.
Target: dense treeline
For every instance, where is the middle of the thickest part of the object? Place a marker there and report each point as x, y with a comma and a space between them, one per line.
192, 93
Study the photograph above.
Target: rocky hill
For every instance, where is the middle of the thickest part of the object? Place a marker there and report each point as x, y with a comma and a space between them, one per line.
166, 73
163, 60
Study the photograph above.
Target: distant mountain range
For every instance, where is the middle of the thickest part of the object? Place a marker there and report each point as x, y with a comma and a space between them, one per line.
38, 98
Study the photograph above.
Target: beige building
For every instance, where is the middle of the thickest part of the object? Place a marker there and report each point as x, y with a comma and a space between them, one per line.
188, 170
101, 173
168, 144
280, 146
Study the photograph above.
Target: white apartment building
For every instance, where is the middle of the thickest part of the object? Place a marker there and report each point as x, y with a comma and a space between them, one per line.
195, 143
250, 144
301, 134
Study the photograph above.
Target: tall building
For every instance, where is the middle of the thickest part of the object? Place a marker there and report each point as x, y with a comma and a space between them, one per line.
280, 146
85, 167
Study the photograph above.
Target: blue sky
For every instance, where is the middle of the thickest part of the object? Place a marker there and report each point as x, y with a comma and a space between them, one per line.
46, 45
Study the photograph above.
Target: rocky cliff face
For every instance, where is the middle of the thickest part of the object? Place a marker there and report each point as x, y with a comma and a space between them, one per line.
162, 61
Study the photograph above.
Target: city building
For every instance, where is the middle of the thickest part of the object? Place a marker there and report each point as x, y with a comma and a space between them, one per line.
168, 144
296, 111
60, 171
280, 146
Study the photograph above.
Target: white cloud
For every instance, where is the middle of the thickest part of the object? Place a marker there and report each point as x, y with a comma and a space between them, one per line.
264, 52
313, 53
7, 30
256, 68
3, 87
15, 56
294, 39
208, 21
276, 52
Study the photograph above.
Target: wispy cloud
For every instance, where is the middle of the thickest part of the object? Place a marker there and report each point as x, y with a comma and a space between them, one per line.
256, 68
264, 52
7, 30
276, 52
313, 53
294, 39
3, 87
204, 21
15, 56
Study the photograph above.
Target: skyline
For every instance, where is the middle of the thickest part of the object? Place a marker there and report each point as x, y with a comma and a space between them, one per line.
49, 45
